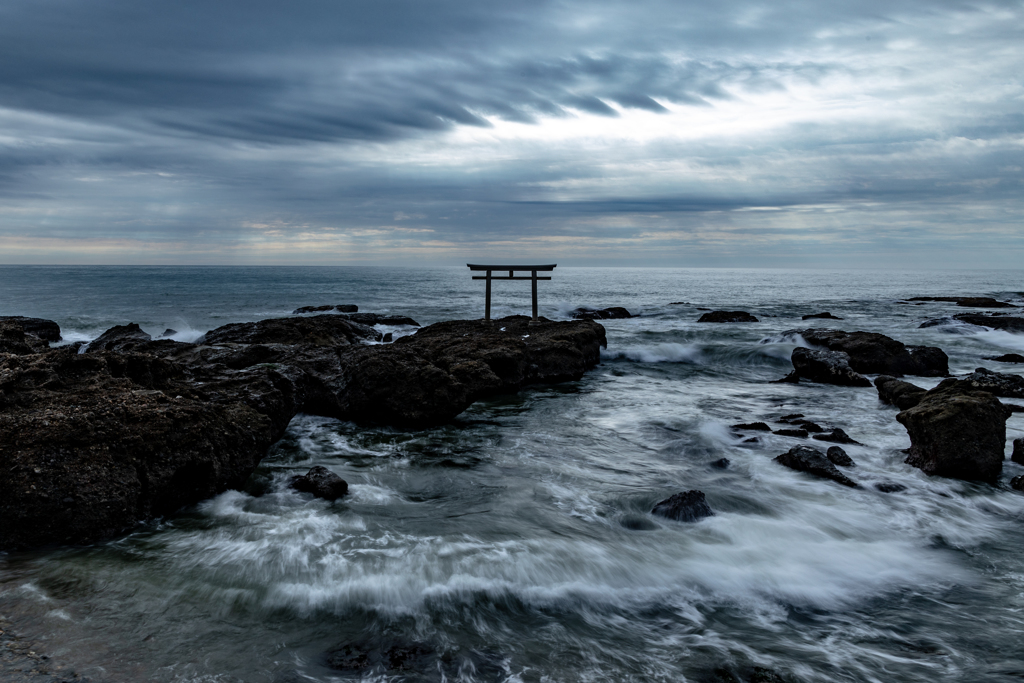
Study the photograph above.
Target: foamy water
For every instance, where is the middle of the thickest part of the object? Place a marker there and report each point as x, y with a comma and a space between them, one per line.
518, 541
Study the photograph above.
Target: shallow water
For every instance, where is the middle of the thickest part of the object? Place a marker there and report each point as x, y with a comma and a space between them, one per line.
516, 544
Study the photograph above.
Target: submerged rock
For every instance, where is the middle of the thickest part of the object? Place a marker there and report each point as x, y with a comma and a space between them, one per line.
688, 506
612, 313
1017, 483
720, 464
872, 353
898, 393
826, 367
813, 461
957, 431
889, 487
837, 456
837, 435
727, 317
340, 308
1007, 358
996, 383
321, 482
967, 301
798, 433
825, 315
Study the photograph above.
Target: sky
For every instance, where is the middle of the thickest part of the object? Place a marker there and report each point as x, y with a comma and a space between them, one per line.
420, 132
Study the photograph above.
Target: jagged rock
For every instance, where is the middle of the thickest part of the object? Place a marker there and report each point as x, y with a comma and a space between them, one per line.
837, 456
169, 332
47, 330
813, 461
1018, 451
1017, 483
957, 431
379, 319
837, 435
128, 434
340, 308
898, 393
16, 340
872, 353
997, 383
826, 367
612, 313
996, 322
753, 426
1007, 358
967, 301
825, 315
119, 338
688, 506
727, 317
889, 487
322, 483
798, 433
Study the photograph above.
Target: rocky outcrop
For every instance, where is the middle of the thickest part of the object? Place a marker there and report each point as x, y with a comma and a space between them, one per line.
995, 321
898, 393
612, 313
1007, 358
119, 338
340, 308
813, 461
826, 367
873, 353
91, 443
321, 482
1018, 451
47, 330
957, 431
997, 383
381, 319
688, 506
824, 315
727, 317
967, 301
15, 339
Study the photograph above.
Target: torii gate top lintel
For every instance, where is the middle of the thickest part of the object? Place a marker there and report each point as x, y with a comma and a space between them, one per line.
533, 270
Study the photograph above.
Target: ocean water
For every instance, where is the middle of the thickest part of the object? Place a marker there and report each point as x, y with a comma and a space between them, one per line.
516, 543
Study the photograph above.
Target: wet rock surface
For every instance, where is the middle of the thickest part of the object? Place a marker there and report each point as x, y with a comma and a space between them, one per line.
1007, 358
381, 319
996, 322
340, 308
753, 426
837, 435
898, 393
967, 301
837, 456
957, 431
688, 506
47, 330
996, 383
812, 461
826, 367
23, 661
727, 317
612, 313
15, 339
1017, 454
824, 315
322, 483
1017, 483
92, 443
873, 353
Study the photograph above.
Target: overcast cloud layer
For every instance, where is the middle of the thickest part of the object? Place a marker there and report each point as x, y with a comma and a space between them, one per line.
615, 133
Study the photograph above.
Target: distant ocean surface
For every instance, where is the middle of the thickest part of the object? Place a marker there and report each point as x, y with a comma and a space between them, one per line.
517, 544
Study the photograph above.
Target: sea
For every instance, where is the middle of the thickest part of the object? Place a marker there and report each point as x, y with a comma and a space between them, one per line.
517, 542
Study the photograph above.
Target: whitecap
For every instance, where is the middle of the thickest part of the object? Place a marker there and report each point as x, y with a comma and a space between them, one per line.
665, 352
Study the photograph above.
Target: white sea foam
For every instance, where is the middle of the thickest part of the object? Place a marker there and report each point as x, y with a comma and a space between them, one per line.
665, 352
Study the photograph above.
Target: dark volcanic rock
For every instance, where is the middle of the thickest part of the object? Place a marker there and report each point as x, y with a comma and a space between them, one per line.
898, 393
169, 332
688, 506
380, 319
798, 433
612, 313
753, 426
874, 353
14, 339
1008, 358
1018, 451
996, 322
997, 383
827, 367
322, 483
826, 315
119, 338
813, 461
837, 435
837, 456
340, 308
957, 431
47, 330
318, 330
727, 317
967, 301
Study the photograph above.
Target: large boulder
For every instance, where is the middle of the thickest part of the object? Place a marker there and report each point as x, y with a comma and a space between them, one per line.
997, 383
873, 353
814, 462
119, 338
898, 393
16, 340
827, 367
957, 431
688, 506
727, 317
47, 330
612, 313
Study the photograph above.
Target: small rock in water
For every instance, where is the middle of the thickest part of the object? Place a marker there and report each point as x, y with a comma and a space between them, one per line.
753, 426
811, 426
1017, 483
634, 523
1007, 358
322, 483
752, 439
813, 461
388, 337
966, 301
889, 487
839, 457
825, 315
827, 367
169, 332
798, 433
727, 317
688, 506
721, 463
1018, 451
612, 313
837, 435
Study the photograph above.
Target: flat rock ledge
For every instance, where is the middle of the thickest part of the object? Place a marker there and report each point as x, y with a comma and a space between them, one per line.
92, 443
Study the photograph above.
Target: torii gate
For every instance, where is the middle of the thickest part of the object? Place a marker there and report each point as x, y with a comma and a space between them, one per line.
533, 270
